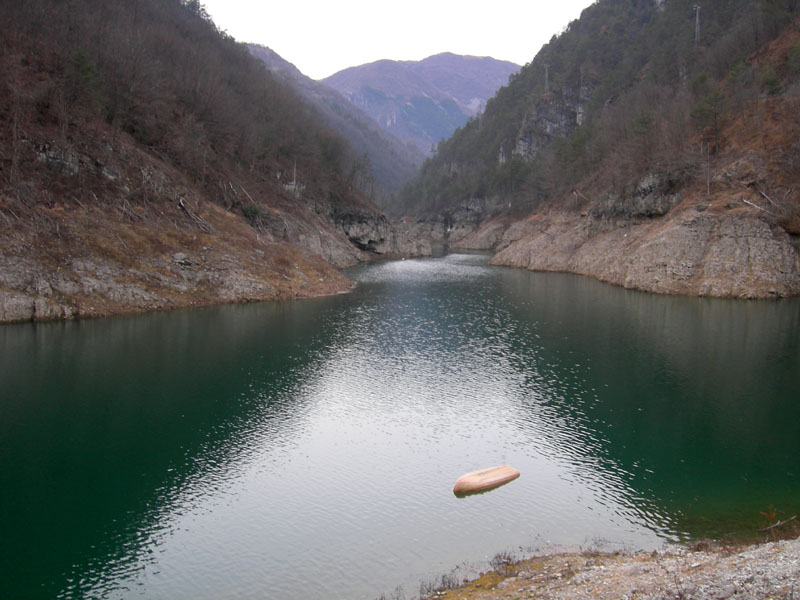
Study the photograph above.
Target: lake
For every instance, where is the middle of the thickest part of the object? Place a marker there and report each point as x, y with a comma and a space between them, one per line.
308, 449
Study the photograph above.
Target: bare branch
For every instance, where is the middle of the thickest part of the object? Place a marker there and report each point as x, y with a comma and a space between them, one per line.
746, 201
201, 222
779, 523
768, 198
248, 195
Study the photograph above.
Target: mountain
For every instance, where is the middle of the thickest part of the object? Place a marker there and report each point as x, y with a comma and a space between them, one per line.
388, 162
148, 161
423, 102
647, 145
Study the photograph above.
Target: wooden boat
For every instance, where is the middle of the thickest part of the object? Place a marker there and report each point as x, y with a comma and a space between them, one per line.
483, 480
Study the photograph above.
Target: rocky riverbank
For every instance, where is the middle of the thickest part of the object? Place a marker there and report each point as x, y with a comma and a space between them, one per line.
86, 265
735, 243
730, 254
704, 572
721, 249
69, 260
730, 229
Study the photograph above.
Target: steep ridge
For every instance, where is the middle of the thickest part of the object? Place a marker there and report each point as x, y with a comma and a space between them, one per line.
639, 149
385, 165
423, 102
147, 161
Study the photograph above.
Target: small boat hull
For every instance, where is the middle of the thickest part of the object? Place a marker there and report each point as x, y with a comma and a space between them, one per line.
484, 480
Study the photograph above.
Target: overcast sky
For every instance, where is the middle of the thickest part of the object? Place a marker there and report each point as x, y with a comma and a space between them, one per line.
321, 37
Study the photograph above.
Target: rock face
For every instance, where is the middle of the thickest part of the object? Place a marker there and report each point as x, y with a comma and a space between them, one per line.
189, 268
555, 114
657, 238
373, 233
477, 224
737, 255
94, 266
177, 248
79, 262
487, 237
653, 197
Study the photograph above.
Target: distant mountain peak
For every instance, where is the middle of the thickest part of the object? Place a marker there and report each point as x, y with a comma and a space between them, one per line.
422, 102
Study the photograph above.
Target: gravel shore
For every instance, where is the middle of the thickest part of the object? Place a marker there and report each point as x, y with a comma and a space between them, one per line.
703, 572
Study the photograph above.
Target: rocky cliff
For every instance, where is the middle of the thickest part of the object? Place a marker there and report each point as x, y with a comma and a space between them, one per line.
154, 241
555, 114
732, 240
730, 254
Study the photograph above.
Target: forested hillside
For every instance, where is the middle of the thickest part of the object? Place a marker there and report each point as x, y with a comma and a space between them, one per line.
147, 161
639, 109
383, 164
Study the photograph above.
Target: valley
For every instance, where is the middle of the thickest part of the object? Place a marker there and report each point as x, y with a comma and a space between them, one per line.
340, 294
117, 198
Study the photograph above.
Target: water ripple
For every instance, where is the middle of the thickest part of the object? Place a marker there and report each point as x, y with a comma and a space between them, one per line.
309, 449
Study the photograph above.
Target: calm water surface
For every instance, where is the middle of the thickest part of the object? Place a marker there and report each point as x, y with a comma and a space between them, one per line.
308, 449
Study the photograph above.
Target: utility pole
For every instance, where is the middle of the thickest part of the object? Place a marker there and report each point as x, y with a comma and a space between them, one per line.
697, 24
546, 78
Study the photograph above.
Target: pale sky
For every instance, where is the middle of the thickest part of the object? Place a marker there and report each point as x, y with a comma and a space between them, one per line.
321, 37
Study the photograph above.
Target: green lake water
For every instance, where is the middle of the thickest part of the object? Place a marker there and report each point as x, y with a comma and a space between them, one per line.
308, 449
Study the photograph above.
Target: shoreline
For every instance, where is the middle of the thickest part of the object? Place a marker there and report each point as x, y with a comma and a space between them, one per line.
706, 570
18, 306
198, 302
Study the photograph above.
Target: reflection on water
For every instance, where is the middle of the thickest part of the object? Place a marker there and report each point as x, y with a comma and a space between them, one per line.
699, 395
308, 449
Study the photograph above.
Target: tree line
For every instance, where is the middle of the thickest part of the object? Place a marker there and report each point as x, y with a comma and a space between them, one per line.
648, 84
161, 72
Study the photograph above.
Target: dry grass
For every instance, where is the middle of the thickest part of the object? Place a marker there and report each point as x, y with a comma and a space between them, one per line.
134, 243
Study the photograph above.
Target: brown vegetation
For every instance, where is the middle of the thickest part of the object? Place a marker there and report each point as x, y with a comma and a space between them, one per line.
134, 131
654, 160
648, 99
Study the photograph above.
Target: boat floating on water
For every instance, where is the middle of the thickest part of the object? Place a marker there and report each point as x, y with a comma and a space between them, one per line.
484, 480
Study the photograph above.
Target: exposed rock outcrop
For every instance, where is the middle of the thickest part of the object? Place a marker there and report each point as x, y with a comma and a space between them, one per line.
77, 263
661, 236
151, 242
373, 233
555, 114
737, 254
477, 224
654, 196
487, 237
